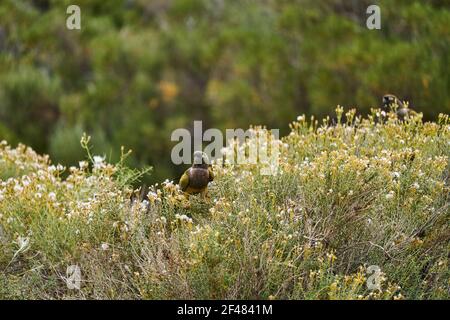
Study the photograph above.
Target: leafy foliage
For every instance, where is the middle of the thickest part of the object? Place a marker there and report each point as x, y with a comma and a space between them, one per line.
139, 69
367, 191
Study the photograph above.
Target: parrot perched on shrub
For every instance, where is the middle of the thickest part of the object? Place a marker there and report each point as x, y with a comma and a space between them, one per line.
195, 179
402, 110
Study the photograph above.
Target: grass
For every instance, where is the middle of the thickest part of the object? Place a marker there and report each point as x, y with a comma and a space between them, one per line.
368, 191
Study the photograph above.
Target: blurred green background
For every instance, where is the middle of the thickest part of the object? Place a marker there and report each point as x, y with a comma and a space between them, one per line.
139, 69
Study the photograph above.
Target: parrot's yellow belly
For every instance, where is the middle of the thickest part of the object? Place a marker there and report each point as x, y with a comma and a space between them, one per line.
192, 190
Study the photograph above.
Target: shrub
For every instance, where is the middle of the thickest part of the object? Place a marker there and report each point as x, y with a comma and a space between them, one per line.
368, 191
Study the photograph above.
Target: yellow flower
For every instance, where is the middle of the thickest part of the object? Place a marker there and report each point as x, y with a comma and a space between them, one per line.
169, 90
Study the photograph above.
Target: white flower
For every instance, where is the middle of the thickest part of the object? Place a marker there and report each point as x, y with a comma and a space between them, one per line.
26, 181
416, 185
98, 161
18, 188
83, 164
168, 183
152, 195
144, 205
105, 246
390, 195
395, 174
183, 217
52, 196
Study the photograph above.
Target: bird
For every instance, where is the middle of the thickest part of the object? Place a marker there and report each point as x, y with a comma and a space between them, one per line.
390, 100
139, 195
195, 179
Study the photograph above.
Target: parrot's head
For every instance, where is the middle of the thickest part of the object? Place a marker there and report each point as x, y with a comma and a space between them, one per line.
389, 100
201, 160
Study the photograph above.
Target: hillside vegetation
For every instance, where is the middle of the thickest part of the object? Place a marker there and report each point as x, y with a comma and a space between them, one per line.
139, 69
368, 191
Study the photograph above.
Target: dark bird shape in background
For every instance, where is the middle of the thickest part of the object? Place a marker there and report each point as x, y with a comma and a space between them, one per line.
139, 195
390, 101
195, 179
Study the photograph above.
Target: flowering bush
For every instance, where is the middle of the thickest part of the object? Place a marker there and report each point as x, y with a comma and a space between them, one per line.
366, 192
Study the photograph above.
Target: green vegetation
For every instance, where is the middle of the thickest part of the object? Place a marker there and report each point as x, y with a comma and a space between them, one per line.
366, 192
139, 69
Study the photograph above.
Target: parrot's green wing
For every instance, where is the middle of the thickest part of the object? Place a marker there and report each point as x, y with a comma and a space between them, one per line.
211, 174
184, 180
